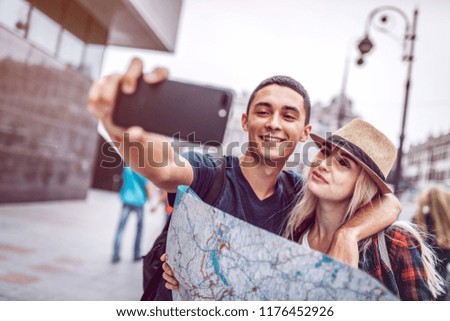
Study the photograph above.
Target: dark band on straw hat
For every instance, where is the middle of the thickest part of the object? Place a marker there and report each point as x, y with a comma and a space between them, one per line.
356, 152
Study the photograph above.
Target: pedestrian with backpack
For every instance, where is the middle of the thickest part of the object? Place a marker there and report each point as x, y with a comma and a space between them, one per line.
277, 118
135, 192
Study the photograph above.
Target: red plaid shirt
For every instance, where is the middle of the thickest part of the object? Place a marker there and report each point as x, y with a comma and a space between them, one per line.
408, 279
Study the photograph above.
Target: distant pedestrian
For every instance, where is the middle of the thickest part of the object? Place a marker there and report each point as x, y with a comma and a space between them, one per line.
433, 217
135, 191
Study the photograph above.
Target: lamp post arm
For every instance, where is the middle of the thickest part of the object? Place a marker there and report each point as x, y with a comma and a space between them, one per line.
385, 8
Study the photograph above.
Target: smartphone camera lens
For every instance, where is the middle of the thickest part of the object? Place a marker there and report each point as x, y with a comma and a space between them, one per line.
222, 113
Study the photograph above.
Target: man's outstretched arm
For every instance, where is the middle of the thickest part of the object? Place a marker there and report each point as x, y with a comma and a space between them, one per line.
139, 149
367, 221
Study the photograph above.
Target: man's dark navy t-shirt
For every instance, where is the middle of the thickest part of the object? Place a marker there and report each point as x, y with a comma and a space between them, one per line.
238, 197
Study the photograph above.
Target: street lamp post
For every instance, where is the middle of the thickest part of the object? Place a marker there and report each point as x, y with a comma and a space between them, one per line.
341, 111
365, 45
343, 92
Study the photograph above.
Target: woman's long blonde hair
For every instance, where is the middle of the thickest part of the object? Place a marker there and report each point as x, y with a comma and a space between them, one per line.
302, 215
365, 193
435, 202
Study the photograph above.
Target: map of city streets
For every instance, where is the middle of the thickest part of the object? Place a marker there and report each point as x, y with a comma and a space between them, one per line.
216, 256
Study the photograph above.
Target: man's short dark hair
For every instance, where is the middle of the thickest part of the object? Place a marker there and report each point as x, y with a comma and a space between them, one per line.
284, 81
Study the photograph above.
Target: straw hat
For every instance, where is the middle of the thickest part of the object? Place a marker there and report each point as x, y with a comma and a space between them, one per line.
368, 146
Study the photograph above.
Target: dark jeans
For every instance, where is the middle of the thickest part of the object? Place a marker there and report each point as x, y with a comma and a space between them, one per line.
126, 210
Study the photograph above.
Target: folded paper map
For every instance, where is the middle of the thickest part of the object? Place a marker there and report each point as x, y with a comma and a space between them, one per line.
216, 256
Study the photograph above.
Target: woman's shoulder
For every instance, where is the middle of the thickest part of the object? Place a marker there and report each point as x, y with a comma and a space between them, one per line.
402, 235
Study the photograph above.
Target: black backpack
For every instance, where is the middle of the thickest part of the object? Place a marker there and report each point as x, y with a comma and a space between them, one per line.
152, 265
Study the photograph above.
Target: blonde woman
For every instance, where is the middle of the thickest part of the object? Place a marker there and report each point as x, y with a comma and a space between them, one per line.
433, 217
348, 173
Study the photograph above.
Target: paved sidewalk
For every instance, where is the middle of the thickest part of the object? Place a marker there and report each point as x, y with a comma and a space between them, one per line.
62, 250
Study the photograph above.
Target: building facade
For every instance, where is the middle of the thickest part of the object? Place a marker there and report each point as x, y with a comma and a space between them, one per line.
235, 137
50, 52
325, 118
428, 162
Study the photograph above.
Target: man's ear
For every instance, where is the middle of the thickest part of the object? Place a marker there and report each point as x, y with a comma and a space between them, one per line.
244, 120
305, 134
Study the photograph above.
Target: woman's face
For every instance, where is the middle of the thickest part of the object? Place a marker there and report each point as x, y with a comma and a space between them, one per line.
333, 175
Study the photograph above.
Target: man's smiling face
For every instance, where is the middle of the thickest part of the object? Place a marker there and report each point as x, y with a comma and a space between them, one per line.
276, 122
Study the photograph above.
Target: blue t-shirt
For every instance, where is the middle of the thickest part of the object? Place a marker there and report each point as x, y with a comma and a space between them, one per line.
134, 188
238, 197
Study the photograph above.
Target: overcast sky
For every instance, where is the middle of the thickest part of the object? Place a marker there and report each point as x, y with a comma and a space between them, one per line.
237, 43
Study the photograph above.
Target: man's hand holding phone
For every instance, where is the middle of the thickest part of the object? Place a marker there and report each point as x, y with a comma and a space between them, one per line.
103, 93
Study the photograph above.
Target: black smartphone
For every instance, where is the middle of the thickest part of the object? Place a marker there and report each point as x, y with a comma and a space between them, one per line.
190, 112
